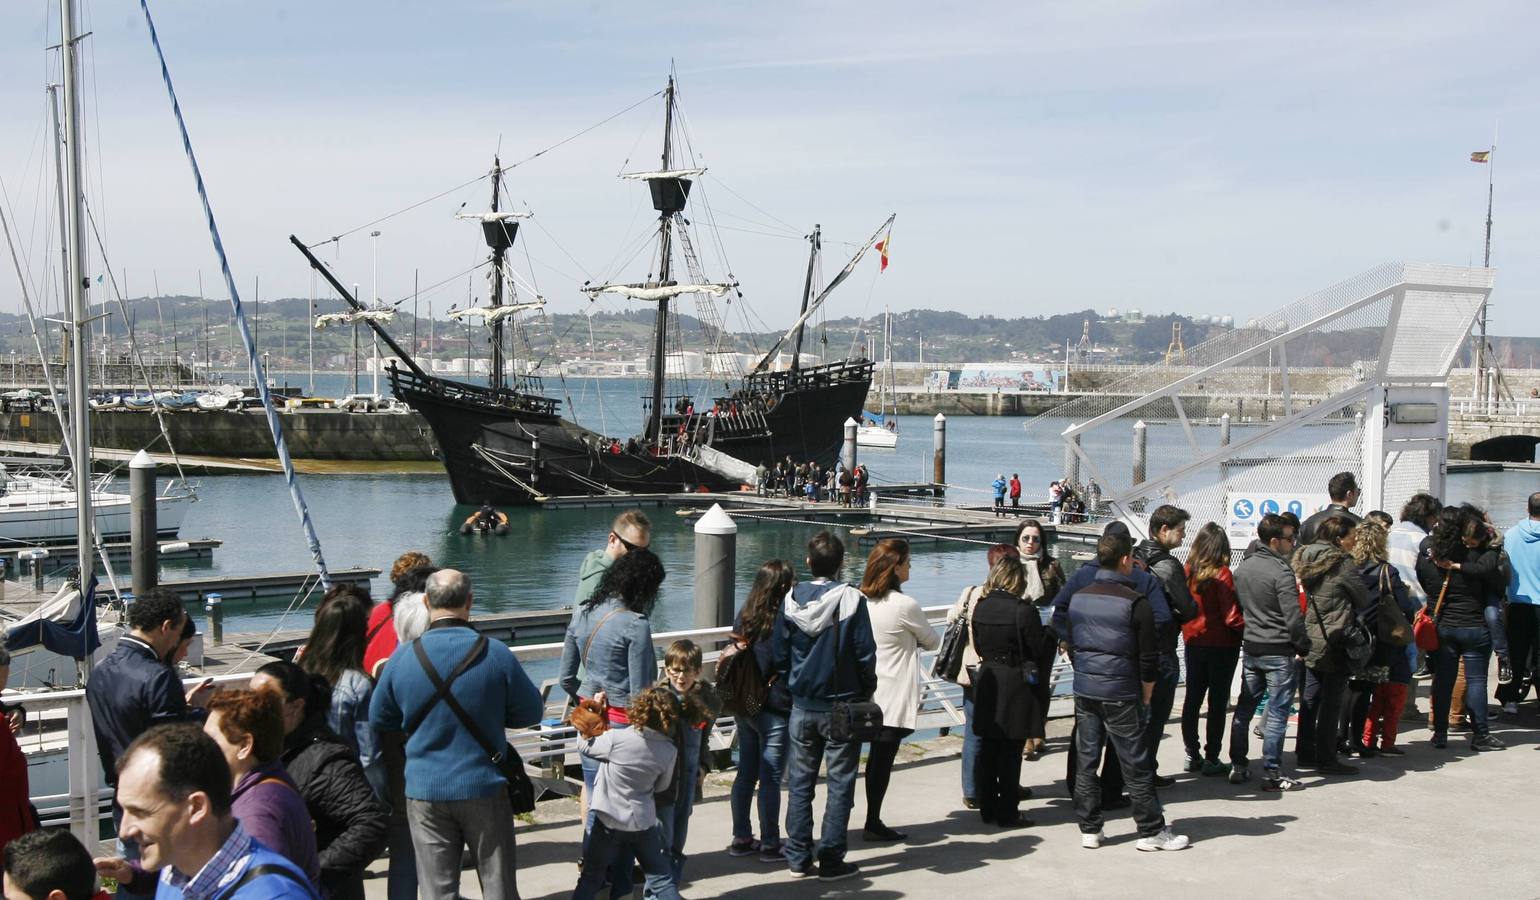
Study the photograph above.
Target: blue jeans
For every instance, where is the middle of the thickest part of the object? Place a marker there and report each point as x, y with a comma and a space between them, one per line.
1474, 645
811, 742
970, 748
1493, 614
1273, 676
761, 760
620, 871
674, 818
1124, 724
607, 845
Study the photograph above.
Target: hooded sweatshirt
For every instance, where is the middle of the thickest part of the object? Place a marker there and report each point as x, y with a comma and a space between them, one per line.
816, 670
1523, 545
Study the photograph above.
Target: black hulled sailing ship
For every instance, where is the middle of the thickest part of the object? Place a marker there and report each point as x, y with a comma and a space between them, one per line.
507, 443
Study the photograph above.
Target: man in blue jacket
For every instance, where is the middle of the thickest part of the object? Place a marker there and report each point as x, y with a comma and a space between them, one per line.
1523, 545
1111, 636
825, 652
455, 795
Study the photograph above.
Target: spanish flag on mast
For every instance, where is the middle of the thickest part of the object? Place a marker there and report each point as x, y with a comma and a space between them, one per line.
882, 247
1481, 156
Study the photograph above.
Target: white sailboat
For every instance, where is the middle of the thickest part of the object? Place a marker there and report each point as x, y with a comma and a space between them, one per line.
882, 430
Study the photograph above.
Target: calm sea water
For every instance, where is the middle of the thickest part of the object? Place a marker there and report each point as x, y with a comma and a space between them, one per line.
367, 520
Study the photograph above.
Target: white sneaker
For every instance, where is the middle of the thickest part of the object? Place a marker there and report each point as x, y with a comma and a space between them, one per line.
1166, 840
1091, 841
1510, 709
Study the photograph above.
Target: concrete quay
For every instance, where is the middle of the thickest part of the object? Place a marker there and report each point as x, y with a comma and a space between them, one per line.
1433, 823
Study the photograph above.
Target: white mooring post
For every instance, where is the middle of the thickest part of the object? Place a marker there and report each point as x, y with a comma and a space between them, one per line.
1141, 444
716, 558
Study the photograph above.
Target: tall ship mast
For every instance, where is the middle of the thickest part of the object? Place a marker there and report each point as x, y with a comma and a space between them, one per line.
507, 442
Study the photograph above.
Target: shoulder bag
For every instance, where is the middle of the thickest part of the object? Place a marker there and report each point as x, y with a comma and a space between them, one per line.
852, 720
1425, 627
521, 791
949, 656
740, 684
1394, 630
1355, 642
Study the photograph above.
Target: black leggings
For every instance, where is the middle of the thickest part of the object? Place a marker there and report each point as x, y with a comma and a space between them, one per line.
879, 769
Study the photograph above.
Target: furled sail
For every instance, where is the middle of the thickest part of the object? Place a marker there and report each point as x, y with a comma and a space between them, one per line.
670, 173
495, 216
664, 292
349, 318
491, 314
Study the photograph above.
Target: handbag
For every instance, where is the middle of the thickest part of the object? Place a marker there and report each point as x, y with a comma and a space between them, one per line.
1355, 642
852, 720
521, 791
1392, 627
1425, 627
949, 656
740, 684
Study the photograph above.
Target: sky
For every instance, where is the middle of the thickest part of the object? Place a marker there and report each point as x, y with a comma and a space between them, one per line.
1191, 157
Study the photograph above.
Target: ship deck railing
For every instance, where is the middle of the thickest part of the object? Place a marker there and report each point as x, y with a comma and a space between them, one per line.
501, 399
549, 750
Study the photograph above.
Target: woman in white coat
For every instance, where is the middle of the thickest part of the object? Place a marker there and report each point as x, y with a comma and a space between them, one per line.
901, 632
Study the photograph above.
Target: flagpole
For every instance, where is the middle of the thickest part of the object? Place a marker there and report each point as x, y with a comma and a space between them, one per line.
1478, 389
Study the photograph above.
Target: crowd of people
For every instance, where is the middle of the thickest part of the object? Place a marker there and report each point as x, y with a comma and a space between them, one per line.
814, 483
388, 729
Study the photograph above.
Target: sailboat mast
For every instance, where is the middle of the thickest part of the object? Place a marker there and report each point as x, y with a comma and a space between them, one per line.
498, 249
807, 293
665, 219
79, 381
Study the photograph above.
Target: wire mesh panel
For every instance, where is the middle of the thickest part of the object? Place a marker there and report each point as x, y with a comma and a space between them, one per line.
1304, 389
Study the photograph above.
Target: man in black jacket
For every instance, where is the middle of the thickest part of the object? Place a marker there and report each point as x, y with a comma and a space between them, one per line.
133, 688
1168, 529
1111, 636
1343, 489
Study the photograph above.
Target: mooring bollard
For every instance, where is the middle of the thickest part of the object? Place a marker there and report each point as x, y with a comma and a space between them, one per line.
143, 549
34, 560
938, 455
214, 608
1224, 430
1141, 441
848, 452
716, 557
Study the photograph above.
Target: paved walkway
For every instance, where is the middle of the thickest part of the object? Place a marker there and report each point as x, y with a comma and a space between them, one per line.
1434, 823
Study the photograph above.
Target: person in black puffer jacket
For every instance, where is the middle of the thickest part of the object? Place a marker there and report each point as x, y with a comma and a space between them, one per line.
762, 739
350, 822
1460, 552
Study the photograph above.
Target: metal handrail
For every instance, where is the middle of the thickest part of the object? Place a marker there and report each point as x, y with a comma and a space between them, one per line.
86, 802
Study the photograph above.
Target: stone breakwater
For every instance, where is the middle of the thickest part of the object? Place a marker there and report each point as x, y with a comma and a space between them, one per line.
324, 434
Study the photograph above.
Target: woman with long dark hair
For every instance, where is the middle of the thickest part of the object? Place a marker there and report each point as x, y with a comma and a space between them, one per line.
335, 652
350, 822
1462, 566
762, 737
610, 639
1044, 578
1212, 642
901, 631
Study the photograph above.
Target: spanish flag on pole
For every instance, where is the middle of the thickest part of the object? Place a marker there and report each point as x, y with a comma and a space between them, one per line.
882, 247
1481, 156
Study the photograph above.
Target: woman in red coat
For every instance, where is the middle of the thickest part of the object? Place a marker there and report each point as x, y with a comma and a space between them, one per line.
1213, 646
16, 818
